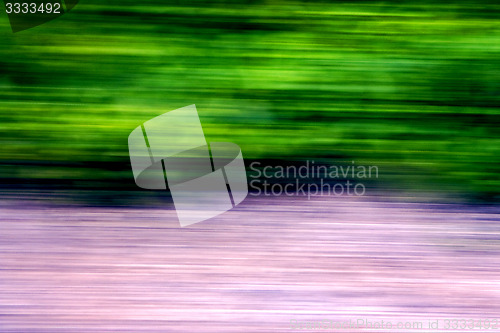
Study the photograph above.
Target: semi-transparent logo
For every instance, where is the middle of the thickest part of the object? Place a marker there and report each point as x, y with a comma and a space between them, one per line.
170, 151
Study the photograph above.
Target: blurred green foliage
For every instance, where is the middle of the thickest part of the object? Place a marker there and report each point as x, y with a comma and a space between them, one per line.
410, 86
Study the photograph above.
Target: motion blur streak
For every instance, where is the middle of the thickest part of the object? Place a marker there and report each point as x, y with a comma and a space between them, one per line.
249, 270
411, 87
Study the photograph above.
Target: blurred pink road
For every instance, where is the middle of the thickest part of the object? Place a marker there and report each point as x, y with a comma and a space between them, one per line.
253, 269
